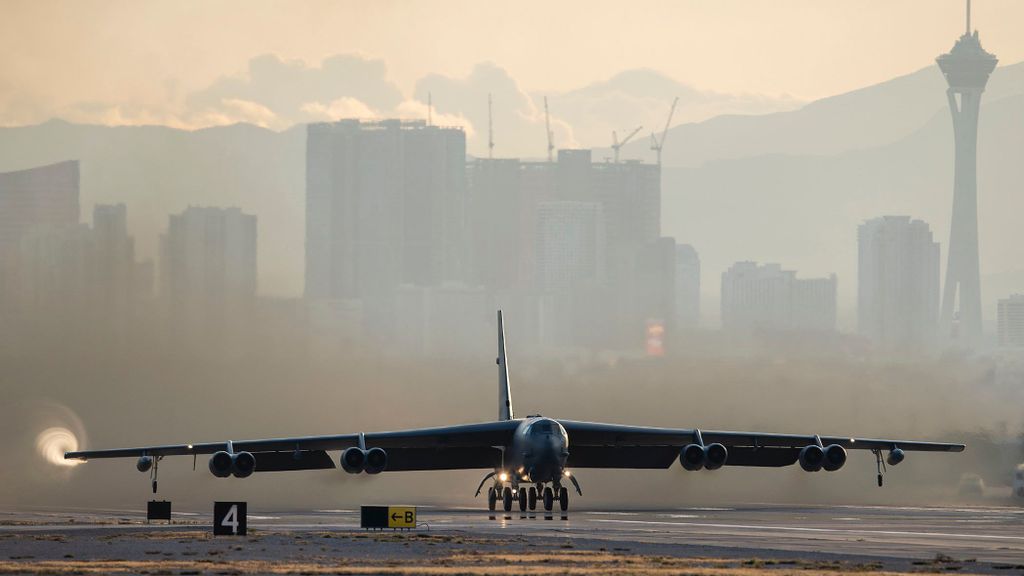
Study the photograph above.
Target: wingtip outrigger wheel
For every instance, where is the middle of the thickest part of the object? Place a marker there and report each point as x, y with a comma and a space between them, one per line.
482, 482
879, 464
576, 484
154, 471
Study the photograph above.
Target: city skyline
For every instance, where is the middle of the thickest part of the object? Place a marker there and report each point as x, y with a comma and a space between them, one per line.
702, 243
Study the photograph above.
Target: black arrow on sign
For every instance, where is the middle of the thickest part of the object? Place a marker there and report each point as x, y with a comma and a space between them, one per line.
395, 516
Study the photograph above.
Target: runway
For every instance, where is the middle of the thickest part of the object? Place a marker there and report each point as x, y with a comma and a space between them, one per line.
984, 539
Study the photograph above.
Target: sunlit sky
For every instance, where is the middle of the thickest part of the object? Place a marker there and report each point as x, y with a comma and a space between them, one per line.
148, 56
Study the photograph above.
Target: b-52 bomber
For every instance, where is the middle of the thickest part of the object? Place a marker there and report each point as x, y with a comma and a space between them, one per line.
530, 459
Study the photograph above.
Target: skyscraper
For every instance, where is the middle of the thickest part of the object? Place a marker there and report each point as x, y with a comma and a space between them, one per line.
42, 200
385, 206
1011, 321
687, 287
897, 282
570, 245
208, 263
967, 68
768, 298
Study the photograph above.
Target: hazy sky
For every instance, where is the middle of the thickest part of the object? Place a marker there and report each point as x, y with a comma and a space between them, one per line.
141, 61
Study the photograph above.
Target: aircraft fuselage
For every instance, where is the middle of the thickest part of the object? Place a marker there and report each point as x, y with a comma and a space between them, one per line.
538, 452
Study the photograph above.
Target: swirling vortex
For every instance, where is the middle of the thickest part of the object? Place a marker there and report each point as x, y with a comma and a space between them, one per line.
53, 442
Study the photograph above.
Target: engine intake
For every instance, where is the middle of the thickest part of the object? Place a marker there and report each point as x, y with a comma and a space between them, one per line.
243, 464
353, 460
221, 464
376, 460
692, 457
715, 456
144, 463
835, 457
895, 457
812, 458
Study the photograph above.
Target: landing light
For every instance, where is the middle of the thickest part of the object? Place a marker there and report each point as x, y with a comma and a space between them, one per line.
503, 477
189, 446
566, 474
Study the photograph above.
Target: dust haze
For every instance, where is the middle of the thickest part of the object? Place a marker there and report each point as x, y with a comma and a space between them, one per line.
152, 390
304, 220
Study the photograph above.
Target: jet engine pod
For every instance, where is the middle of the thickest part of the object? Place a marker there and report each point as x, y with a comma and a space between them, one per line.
221, 464
376, 460
353, 460
243, 465
895, 457
692, 457
144, 463
715, 456
835, 457
812, 458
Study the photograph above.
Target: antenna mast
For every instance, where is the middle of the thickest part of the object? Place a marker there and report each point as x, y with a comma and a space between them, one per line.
547, 126
968, 17
490, 129
430, 108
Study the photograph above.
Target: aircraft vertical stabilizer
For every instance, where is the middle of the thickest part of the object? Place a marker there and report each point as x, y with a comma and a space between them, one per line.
504, 392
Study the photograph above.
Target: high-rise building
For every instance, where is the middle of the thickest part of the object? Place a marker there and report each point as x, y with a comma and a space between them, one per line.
115, 255
967, 68
501, 222
506, 195
208, 263
1011, 321
897, 282
55, 274
385, 206
42, 200
768, 298
570, 245
687, 287
450, 320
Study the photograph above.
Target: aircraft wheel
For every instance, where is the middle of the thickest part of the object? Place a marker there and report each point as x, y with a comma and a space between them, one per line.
492, 498
522, 499
563, 498
506, 497
533, 498
549, 499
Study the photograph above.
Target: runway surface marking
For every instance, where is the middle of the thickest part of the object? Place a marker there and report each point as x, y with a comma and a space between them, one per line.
805, 529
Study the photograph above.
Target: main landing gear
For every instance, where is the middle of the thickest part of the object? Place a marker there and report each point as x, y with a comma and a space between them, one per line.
527, 498
508, 494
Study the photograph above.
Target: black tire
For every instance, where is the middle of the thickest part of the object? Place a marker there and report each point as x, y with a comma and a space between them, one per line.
492, 498
563, 498
522, 499
506, 497
532, 498
549, 499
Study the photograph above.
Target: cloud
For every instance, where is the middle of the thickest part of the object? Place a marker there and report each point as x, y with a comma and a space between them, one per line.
341, 108
278, 93
343, 85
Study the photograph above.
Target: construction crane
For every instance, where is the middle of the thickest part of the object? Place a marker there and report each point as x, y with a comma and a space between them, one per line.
658, 144
551, 136
616, 145
490, 129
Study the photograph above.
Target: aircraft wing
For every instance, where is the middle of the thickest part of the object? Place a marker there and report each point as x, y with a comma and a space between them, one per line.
598, 445
448, 447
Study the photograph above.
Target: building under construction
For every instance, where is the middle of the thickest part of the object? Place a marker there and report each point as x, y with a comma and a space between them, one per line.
564, 240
